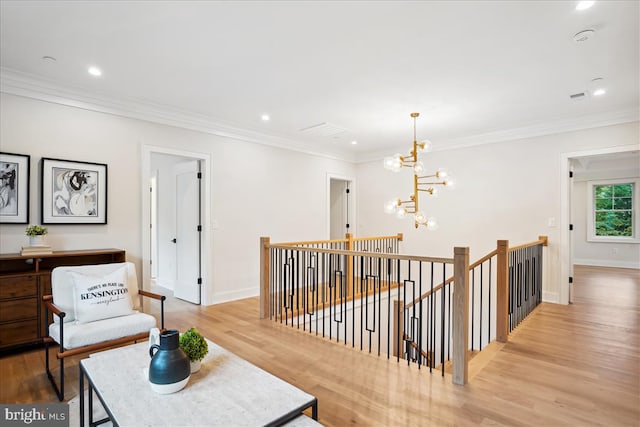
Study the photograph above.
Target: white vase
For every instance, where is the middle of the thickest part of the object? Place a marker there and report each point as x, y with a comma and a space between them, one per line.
37, 241
195, 366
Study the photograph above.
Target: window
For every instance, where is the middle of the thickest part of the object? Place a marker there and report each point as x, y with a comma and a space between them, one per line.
613, 210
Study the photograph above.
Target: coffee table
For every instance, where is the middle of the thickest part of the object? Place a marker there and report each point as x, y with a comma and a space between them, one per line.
227, 391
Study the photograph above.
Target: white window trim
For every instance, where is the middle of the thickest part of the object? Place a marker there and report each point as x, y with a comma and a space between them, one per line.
591, 232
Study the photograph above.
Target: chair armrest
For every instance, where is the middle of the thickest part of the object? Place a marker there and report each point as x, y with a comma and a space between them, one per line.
151, 295
159, 297
48, 302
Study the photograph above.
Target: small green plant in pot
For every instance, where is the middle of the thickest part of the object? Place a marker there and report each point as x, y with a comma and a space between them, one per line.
195, 346
36, 235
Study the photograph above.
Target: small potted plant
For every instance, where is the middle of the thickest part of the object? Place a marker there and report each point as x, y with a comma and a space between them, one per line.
36, 235
195, 346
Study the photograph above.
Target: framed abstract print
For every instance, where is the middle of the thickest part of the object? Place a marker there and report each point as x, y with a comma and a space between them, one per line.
73, 192
14, 188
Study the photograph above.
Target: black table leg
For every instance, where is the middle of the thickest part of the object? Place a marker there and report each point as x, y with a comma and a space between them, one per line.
81, 395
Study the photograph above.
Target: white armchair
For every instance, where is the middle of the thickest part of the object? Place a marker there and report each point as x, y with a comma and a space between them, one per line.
94, 307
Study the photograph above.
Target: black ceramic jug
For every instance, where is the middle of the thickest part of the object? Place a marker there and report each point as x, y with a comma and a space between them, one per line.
169, 370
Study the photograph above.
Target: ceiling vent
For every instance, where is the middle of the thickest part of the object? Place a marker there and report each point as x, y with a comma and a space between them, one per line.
578, 96
323, 129
583, 35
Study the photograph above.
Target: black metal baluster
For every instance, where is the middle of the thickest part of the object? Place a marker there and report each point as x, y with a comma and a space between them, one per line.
473, 306
489, 317
481, 292
432, 325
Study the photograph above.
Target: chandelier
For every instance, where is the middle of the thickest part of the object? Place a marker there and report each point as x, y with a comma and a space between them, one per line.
425, 183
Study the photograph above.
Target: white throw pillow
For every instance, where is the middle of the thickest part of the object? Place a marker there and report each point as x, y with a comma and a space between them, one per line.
97, 298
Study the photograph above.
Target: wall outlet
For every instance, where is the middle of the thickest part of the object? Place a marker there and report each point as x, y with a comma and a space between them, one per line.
614, 251
552, 222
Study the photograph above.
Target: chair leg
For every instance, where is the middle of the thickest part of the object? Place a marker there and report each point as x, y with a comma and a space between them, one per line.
59, 391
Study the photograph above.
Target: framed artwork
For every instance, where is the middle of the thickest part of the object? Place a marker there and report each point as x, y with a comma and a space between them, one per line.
14, 188
73, 192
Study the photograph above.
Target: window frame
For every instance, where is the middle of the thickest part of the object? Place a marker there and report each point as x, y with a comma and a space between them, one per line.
635, 211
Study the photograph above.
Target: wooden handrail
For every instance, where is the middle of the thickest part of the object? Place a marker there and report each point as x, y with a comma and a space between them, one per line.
398, 236
365, 254
449, 280
313, 242
483, 259
542, 240
429, 292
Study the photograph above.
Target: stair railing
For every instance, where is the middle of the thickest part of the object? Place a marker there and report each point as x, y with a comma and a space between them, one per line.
356, 297
347, 296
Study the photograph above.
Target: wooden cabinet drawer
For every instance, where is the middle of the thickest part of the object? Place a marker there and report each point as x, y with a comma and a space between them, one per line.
19, 286
18, 332
18, 309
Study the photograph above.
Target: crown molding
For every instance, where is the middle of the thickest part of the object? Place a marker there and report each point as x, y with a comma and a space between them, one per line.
584, 122
29, 86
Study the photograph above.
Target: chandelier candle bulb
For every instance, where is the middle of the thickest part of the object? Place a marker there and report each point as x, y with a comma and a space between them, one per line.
391, 206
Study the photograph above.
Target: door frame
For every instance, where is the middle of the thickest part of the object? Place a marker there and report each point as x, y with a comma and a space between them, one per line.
565, 252
206, 207
352, 202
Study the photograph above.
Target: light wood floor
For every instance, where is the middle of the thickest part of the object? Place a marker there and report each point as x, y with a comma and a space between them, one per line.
576, 365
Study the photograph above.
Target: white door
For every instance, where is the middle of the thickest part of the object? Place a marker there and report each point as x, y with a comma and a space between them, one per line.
153, 193
187, 241
340, 194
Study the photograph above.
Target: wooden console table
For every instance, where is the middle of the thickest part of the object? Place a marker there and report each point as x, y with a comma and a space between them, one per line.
23, 282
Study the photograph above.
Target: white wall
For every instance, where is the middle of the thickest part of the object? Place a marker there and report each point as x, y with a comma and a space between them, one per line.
258, 190
507, 190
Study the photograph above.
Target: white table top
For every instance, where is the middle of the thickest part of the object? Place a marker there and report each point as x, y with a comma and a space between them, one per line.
227, 391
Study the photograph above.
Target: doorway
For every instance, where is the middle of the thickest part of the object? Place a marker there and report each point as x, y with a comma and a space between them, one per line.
569, 210
340, 206
174, 237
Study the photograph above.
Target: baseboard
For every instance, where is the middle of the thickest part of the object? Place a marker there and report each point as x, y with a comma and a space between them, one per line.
553, 297
607, 263
220, 297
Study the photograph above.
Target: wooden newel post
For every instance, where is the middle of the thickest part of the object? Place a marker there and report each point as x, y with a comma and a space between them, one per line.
398, 328
461, 316
545, 240
349, 272
265, 262
502, 292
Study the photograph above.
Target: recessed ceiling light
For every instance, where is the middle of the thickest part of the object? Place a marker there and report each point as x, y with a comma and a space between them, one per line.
48, 58
584, 5
265, 117
354, 142
95, 71
597, 86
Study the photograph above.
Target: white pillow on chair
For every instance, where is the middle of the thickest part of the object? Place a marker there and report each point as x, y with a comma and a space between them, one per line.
101, 297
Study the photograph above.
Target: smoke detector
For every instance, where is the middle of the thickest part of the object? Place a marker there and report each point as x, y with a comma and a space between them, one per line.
583, 35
